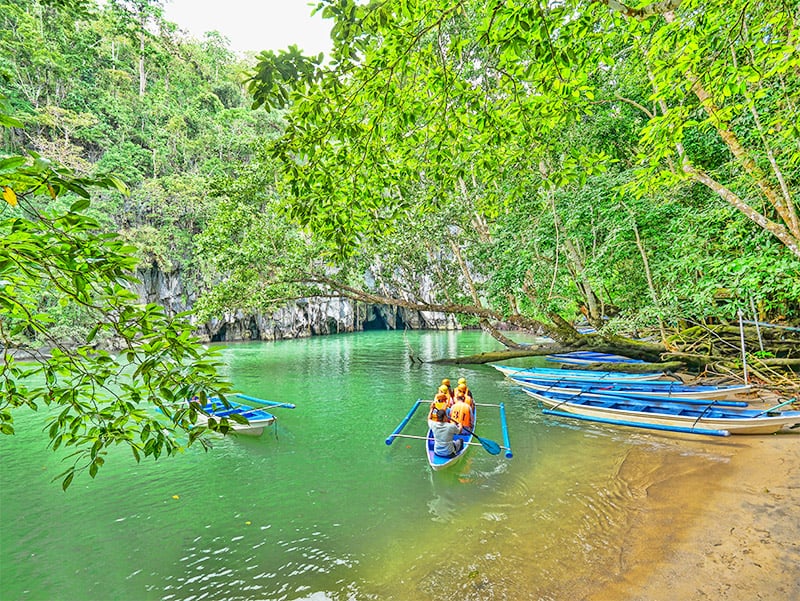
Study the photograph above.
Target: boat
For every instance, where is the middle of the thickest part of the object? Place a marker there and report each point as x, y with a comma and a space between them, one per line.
577, 374
257, 417
710, 420
669, 390
437, 462
581, 357
653, 400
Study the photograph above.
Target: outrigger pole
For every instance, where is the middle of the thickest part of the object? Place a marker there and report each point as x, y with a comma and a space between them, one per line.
631, 424
269, 403
403, 423
503, 425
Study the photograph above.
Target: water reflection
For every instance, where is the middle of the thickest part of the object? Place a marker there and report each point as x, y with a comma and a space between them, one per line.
320, 508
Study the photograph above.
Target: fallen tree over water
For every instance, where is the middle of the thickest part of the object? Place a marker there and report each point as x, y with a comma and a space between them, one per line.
700, 350
771, 354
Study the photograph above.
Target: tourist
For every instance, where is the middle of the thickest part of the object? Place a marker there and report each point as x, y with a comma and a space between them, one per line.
463, 394
441, 402
443, 430
446, 384
443, 389
461, 412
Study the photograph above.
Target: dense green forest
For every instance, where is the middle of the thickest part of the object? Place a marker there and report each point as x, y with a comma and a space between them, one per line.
522, 164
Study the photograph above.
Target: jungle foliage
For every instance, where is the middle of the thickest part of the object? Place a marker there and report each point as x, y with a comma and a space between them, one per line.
638, 163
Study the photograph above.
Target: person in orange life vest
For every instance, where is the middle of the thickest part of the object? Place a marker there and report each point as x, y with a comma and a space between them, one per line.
462, 394
464, 382
446, 384
443, 389
440, 402
443, 430
461, 413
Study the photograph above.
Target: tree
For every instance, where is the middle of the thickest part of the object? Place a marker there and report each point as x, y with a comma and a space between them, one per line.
54, 254
440, 90
134, 16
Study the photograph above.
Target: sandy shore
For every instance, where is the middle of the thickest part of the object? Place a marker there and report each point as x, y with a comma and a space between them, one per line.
738, 538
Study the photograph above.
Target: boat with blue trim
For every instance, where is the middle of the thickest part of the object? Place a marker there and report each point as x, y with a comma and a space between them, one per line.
257, 418
662, 389
440, 462
673, 416
581, 357
577, 374
241, 418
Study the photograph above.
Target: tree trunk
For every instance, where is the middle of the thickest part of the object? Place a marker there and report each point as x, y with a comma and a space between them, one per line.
142, 75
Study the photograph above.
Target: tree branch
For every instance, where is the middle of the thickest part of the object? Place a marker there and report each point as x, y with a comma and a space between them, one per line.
651, 10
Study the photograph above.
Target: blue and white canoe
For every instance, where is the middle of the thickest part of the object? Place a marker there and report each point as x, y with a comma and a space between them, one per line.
710, 420
670, 390
577, 374
582, 357
257, 418
437, 462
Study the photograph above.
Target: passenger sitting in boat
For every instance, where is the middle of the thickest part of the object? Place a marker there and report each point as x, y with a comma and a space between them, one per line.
443, 430
441, 402
461, 413
446, 385
464, 382
462, 394
444, 390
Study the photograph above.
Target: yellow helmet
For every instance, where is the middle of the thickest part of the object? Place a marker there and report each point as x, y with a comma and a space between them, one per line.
462, 387
445, 382
443, 389
462, 380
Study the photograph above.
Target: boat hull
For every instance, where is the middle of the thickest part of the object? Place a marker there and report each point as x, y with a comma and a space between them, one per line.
667, 390
585, 357
576, 374
258, 419
437, 462
740, 421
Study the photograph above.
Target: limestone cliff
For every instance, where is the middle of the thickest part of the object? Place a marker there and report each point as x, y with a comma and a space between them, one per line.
301, 318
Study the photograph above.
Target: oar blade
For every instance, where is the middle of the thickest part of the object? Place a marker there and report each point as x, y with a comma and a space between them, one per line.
491, 446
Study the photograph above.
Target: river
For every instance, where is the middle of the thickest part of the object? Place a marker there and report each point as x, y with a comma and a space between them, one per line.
320, 508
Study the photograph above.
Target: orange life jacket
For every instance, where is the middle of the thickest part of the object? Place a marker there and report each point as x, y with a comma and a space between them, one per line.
461, 413
438, 411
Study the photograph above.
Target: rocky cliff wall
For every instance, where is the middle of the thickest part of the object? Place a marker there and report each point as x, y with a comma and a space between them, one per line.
301, 318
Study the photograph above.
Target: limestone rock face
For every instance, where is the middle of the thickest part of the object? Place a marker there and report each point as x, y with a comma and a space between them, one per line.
314, 316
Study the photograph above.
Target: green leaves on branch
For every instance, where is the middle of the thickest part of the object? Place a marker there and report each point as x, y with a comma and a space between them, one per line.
94, 398
277, 76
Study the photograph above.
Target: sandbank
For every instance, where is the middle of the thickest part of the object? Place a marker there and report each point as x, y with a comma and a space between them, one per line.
735, 536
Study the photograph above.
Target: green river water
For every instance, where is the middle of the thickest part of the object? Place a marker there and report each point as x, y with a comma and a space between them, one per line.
320, 508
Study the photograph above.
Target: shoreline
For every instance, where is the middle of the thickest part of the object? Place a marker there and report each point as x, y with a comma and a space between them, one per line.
737, 535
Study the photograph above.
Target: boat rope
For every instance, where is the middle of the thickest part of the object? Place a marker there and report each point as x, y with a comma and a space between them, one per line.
772, 325
567, 400
699, 417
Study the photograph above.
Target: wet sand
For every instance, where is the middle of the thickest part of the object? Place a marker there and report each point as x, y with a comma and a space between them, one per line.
735, 536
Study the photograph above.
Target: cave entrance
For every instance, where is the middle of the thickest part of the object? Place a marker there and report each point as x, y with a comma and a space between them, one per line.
375, 320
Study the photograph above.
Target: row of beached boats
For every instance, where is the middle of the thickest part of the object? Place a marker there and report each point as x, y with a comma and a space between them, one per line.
646, 400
